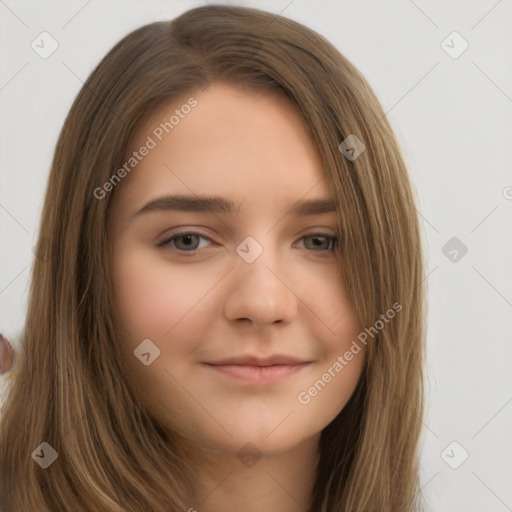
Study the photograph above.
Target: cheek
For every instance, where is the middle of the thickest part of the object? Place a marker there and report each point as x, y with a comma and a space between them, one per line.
163, 304
327, 393
152, 297
337, 374
335, 319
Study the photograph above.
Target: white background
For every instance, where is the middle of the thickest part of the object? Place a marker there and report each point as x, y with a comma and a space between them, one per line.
453, 119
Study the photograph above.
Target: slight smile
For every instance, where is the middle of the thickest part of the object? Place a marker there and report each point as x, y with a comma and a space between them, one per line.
256, 373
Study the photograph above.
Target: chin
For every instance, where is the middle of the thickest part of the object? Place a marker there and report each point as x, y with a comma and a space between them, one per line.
257, 438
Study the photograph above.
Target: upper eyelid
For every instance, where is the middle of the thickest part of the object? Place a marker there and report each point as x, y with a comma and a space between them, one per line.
193, 231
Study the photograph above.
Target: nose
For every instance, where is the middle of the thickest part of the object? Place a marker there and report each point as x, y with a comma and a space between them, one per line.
260, 292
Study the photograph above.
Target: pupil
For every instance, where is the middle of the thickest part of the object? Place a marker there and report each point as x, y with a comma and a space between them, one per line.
187, 240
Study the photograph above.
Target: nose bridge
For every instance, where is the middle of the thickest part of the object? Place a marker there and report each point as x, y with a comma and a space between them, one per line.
257, 260
259, 292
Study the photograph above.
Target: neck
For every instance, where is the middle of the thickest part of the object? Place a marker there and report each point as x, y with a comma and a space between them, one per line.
281, 481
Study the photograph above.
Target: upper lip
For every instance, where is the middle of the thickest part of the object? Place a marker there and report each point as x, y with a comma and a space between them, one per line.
248, 360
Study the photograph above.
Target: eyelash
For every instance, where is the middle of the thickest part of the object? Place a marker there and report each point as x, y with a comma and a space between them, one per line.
166, 241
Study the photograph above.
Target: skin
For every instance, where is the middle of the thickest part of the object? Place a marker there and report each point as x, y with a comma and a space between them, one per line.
254, 149
7, 355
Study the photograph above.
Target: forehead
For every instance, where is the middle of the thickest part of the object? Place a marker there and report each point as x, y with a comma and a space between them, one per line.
250, 146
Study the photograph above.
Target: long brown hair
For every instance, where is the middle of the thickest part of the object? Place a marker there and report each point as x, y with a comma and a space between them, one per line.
69, 387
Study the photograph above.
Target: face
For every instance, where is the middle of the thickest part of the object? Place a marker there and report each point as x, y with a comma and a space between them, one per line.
233, 313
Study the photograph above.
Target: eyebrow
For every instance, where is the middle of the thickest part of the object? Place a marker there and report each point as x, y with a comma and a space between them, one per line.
217, 204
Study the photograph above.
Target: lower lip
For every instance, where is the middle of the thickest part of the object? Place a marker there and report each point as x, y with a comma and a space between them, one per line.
259, 374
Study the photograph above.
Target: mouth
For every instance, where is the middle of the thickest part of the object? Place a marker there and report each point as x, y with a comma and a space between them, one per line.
257, 373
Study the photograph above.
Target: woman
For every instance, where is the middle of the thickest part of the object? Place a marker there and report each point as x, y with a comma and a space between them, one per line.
257, 371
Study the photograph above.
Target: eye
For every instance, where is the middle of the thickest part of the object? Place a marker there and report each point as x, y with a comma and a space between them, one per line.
187, 242
189, 239
321, 243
